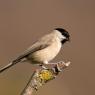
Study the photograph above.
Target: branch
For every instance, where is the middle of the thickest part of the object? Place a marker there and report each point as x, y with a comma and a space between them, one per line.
42, 76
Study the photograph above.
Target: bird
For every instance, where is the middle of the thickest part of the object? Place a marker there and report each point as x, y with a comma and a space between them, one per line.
43, 50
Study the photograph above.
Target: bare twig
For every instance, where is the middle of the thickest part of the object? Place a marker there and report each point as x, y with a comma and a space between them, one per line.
42, 76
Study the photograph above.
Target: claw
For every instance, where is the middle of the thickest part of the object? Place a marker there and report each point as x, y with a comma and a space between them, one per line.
43, 67
68, 63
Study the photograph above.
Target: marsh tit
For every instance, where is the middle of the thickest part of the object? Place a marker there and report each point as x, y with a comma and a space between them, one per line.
44, 50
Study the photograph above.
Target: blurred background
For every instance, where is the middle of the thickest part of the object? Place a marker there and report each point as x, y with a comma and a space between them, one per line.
22, 22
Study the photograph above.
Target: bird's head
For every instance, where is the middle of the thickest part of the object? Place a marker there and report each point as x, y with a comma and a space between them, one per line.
64, 35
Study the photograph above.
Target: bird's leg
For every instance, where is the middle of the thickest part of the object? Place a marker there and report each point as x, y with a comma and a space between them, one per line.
44, 63
43, 66
60, 64
57, 64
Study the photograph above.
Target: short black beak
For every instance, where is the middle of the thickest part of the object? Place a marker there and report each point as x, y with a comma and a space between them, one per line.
68, 39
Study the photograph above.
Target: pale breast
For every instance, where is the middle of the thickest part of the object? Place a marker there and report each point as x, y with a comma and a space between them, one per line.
46, 54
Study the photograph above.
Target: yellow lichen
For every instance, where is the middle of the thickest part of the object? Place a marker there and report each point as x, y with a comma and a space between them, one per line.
46, 75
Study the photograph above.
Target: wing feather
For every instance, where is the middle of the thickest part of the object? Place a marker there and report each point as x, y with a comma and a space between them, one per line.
39, 45
35, 47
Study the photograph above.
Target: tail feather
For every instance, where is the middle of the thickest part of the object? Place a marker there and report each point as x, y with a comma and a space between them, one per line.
9, 65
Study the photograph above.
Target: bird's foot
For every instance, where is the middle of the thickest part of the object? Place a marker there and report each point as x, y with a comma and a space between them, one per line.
43, 67
64, 63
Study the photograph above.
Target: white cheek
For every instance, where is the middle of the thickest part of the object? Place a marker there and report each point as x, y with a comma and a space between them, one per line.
63, 37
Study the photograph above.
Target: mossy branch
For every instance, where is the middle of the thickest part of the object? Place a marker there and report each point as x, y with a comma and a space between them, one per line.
42, 76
